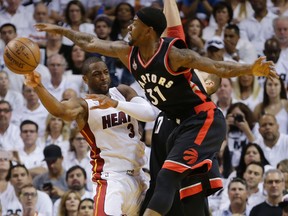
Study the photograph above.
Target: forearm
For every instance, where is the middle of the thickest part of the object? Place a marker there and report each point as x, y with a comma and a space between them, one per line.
138, 108
49, 101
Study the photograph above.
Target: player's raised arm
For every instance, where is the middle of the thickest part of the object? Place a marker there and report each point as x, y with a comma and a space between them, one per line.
70, 110
89, 42
190, 59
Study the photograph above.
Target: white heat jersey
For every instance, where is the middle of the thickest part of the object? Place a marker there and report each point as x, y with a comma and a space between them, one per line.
114, 139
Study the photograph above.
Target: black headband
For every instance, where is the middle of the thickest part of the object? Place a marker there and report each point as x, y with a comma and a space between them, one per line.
155, 19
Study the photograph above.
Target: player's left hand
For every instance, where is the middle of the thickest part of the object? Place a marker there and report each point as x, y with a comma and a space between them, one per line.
261, 67
104, 101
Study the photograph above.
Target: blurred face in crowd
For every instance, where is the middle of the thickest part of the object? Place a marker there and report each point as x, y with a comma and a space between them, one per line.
253, 175
268, 128
274, 185
281, 32
30, 95
237, 193
72, 202
79, 143
5, 114
8, 33
4, 161
246, 80
12, 5
102, 30
252, 154
19, 177
230, 37
41, 13
78, 54
124, 13
4, 82
55, 166
225, 90
86, 208
75, 13
272, 50
29, 134
222, 16
285, 173
28, 197
76, 180
194, 28
273, 88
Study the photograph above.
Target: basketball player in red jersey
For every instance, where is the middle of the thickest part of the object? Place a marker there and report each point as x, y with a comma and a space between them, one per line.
111, 130
162, 67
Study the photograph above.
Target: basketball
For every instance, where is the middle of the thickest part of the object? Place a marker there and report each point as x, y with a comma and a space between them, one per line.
21, 55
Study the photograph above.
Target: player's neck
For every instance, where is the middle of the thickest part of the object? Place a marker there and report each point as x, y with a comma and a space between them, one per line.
148, 50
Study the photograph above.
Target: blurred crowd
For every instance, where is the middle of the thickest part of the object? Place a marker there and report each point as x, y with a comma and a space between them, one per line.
44, 161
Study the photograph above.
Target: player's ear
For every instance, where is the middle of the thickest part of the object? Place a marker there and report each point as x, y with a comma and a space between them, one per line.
85, 79
209, 83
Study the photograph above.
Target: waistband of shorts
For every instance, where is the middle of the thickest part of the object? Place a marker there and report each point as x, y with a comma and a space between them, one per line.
132, 172
200, 108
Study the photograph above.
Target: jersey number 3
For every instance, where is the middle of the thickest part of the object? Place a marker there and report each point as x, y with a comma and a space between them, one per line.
153, 95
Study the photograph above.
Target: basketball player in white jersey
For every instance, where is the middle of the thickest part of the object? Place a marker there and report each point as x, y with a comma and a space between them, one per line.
111, 129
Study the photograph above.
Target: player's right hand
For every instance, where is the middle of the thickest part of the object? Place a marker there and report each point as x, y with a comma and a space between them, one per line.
47, 27
32, 79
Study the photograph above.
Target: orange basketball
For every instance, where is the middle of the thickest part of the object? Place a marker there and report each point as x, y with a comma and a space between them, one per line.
22, 55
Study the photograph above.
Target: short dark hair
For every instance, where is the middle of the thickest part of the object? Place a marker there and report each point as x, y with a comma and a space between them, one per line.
75, 168
220, 6
88, 62
257, 164
8, 25
6, 102
237, 179
85, 199
81, 7
103, 18
25, 122
233, 27
9, 175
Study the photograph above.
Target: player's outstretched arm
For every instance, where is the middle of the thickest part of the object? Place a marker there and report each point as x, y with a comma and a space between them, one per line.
190, 59
89, 42
66, 110
135, 106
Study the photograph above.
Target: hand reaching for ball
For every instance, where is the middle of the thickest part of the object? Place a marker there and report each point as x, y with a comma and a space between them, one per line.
32, 79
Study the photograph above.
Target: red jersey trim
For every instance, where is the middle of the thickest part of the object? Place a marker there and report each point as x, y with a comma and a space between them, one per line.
176, 31
166, 61
191, 190
180, 168
205, 128
129, 59
147, 64
99, 198
216, 183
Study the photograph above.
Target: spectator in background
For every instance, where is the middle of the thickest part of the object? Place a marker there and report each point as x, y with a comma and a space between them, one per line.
10, 139
224, 95
273, 143
193, 29
280, 25
238, 195
52, 182
258, 28
78, 56
86, 207
57, 133
33, 110
78, 154
124, 13
28, 199
223, 14
236, 48
202, 9
247, 90
284, 205
59, 81
75, 18
76, 179
241, 10
240, 122
15, 98
103, 27
69, 204
32, 153
18, 176
16, 13
274, 102
40, 15
283, 167
272, 52
274, 186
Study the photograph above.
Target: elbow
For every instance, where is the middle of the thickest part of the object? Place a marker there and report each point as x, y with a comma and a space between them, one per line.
150, 116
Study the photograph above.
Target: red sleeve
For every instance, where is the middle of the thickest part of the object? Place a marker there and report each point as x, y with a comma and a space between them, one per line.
176, 32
